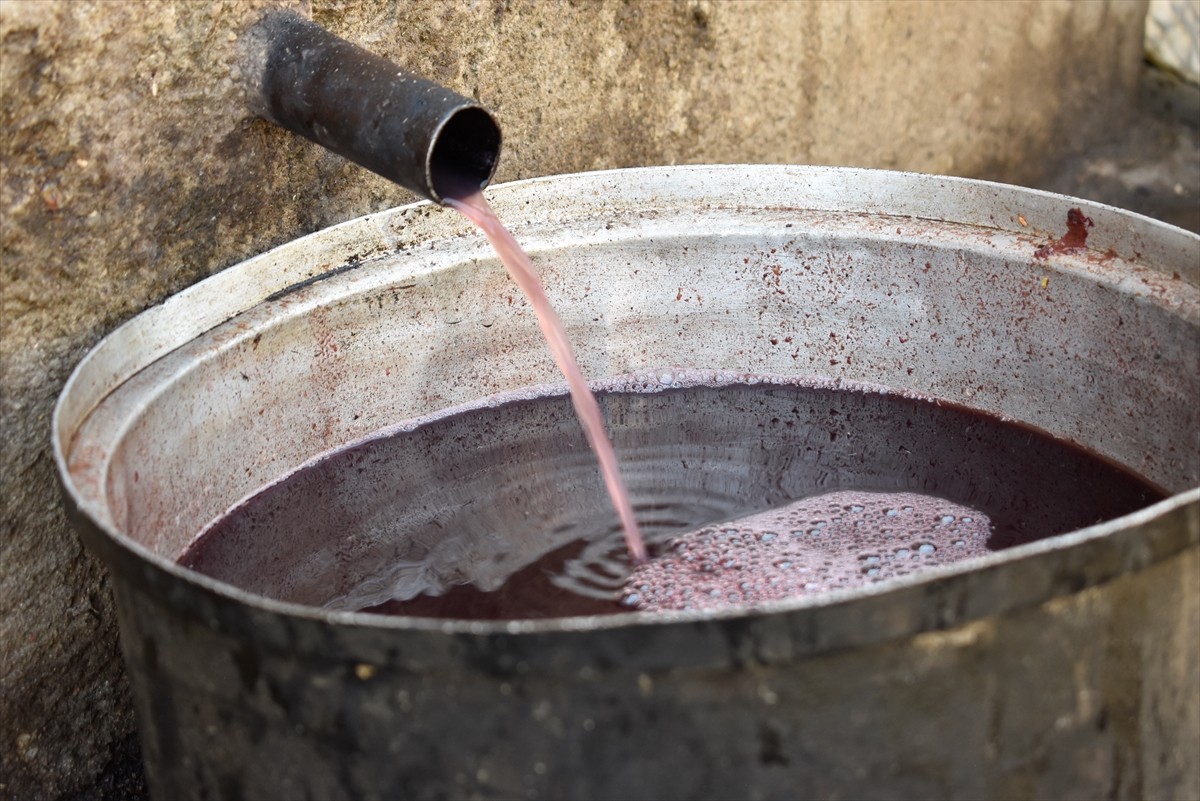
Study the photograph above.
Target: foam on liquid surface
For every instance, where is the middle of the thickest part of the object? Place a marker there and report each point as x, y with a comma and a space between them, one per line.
836, 541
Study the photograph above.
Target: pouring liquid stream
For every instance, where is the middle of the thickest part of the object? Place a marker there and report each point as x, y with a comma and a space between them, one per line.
472, 205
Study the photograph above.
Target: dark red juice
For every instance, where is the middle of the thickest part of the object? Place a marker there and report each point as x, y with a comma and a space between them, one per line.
748, 489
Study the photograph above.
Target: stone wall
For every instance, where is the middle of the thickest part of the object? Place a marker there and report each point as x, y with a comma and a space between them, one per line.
129, 170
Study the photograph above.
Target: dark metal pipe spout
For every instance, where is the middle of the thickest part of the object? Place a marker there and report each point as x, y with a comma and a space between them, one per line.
363, 107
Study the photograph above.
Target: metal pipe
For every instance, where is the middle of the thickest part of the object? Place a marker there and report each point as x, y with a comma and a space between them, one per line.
363, 107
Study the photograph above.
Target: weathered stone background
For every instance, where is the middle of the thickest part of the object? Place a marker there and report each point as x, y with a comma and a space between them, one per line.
129, 169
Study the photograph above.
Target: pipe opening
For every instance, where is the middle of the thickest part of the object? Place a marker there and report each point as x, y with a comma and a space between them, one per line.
464, 154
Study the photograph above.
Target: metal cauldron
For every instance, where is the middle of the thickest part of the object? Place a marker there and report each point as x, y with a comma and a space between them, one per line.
1063, 668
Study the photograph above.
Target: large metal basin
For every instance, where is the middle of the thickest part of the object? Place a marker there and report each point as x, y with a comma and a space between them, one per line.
1064, 668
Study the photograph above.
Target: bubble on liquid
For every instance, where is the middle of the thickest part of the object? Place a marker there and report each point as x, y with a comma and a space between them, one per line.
839, 540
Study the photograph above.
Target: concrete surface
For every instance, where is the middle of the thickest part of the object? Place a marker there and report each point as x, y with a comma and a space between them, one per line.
128, 170
1150, 164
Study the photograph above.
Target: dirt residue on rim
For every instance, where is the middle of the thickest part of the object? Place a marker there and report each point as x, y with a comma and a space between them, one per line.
1074, 239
